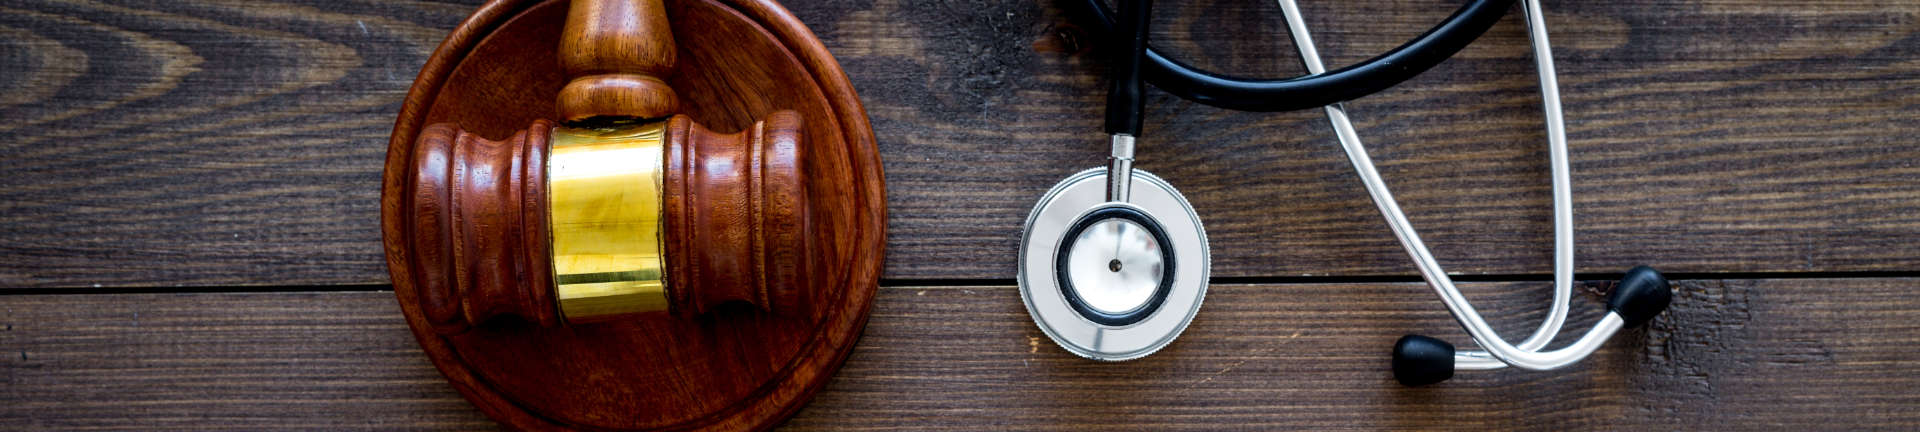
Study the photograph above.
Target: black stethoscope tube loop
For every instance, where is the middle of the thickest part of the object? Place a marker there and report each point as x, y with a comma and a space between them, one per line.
1311, 91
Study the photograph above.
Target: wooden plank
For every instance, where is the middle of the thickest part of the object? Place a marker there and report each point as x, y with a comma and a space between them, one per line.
169, 143
1798, 354
220, 361
238, 143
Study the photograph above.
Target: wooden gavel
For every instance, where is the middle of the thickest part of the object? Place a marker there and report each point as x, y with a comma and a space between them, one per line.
627, 208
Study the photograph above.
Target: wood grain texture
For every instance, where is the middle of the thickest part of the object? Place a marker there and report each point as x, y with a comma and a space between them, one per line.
223, 143
1826, 354
220, 362
616, 54
169, 143
1706, 136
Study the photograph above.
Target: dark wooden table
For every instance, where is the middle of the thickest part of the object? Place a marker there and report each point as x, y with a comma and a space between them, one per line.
189, 228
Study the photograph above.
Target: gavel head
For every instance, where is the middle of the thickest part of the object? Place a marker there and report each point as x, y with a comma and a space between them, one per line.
585, 224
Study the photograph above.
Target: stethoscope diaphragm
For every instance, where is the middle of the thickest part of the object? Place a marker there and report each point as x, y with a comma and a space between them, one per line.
1113, 280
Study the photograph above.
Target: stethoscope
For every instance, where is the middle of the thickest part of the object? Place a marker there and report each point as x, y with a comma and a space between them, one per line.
1117, 272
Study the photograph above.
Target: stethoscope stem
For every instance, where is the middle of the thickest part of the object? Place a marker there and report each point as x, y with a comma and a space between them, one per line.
1120, 169
1499, 353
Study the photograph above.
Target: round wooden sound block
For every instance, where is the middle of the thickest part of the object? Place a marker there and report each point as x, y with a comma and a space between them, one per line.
734, 368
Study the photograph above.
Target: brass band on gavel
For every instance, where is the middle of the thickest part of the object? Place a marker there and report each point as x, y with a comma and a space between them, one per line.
604, 190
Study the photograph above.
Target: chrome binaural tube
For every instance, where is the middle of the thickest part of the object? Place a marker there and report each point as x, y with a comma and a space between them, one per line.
1562, 195
1499, 353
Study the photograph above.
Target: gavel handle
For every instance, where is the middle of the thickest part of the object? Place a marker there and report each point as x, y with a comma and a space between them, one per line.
614, 54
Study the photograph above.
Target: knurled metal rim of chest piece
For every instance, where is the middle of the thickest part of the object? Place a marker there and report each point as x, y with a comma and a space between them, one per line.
1046, 227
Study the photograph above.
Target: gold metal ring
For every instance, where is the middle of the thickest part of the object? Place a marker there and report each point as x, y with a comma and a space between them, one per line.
604, 191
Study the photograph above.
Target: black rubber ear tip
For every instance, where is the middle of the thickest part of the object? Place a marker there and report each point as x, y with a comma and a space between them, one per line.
1642, 294
1420, 360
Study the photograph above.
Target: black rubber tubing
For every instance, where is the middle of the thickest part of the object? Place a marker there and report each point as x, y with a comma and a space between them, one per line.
1313, 91
1126, 101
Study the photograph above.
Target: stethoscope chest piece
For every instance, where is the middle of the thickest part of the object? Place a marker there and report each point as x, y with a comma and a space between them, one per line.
1113, 280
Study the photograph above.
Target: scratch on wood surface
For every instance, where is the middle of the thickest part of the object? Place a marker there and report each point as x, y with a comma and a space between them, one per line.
1222, 371
1236, 365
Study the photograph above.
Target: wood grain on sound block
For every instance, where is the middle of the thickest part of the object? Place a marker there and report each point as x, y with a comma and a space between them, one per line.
735, 366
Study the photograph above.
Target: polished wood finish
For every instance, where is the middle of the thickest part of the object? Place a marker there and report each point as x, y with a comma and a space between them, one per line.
786, 214
614, 53
182, 166
740, 225
475, 227
477, 212
1770, 354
